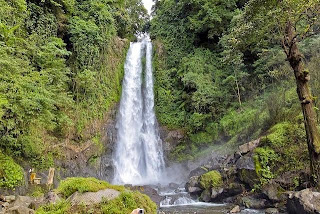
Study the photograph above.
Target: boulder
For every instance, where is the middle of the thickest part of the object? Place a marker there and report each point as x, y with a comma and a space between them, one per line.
249, 147
246, 170
216, 192
192, 186
173, 186
198, 171
272, 211
52, 198
19, 210
90, 198
149, 191
236, 209
9, 198
303, 202
194, 190
22, 201
254, 203
271, 191
206, 195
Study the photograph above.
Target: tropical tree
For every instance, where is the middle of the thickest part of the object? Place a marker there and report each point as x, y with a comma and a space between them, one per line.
286, 22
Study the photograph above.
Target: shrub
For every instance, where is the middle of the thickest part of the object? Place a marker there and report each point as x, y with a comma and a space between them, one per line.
77, 184
211, 179
11, 173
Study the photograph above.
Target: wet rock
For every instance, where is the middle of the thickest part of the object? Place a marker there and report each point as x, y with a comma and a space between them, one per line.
272, 211
194, 190
249, 147
206, 195
254, 203
19, 210
173, 186
149, 191
236, 209
303, 202
90, 198
215, 193
192, 186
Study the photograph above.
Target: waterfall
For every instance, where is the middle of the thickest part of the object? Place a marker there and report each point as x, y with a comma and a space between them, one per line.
138, 157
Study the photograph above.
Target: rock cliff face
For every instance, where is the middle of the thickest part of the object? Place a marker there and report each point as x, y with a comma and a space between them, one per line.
92, 159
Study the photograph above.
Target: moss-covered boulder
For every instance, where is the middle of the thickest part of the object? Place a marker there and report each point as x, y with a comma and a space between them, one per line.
210, 180
121, 200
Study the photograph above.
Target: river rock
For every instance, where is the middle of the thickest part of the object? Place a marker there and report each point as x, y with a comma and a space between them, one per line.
89, 198
303, 202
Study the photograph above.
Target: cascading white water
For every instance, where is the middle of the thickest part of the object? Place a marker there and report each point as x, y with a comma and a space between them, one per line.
138, 158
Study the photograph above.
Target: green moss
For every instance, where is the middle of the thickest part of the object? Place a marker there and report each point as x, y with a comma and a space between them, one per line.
129, 201
211, 179
71, 185
11, 173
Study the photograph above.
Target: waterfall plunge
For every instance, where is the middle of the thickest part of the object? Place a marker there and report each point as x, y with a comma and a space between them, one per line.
138, 157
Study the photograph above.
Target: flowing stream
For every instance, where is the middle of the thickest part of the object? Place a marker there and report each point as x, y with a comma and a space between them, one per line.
138, 157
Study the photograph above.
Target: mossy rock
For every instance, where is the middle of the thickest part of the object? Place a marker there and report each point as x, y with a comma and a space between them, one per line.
211, 179
126, 202
78, 184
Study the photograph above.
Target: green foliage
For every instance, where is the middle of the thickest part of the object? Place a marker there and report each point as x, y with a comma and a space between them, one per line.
62, 207
11, 173
61, 69
264, 159
128, 201
210, 179
73, 184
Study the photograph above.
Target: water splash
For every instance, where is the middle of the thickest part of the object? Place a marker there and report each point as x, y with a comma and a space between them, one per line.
138, 157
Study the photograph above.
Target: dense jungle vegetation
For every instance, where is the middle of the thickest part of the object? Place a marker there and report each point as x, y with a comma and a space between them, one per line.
61, 66
224, 75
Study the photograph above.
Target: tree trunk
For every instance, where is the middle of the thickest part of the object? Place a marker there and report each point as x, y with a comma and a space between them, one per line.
302, 77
